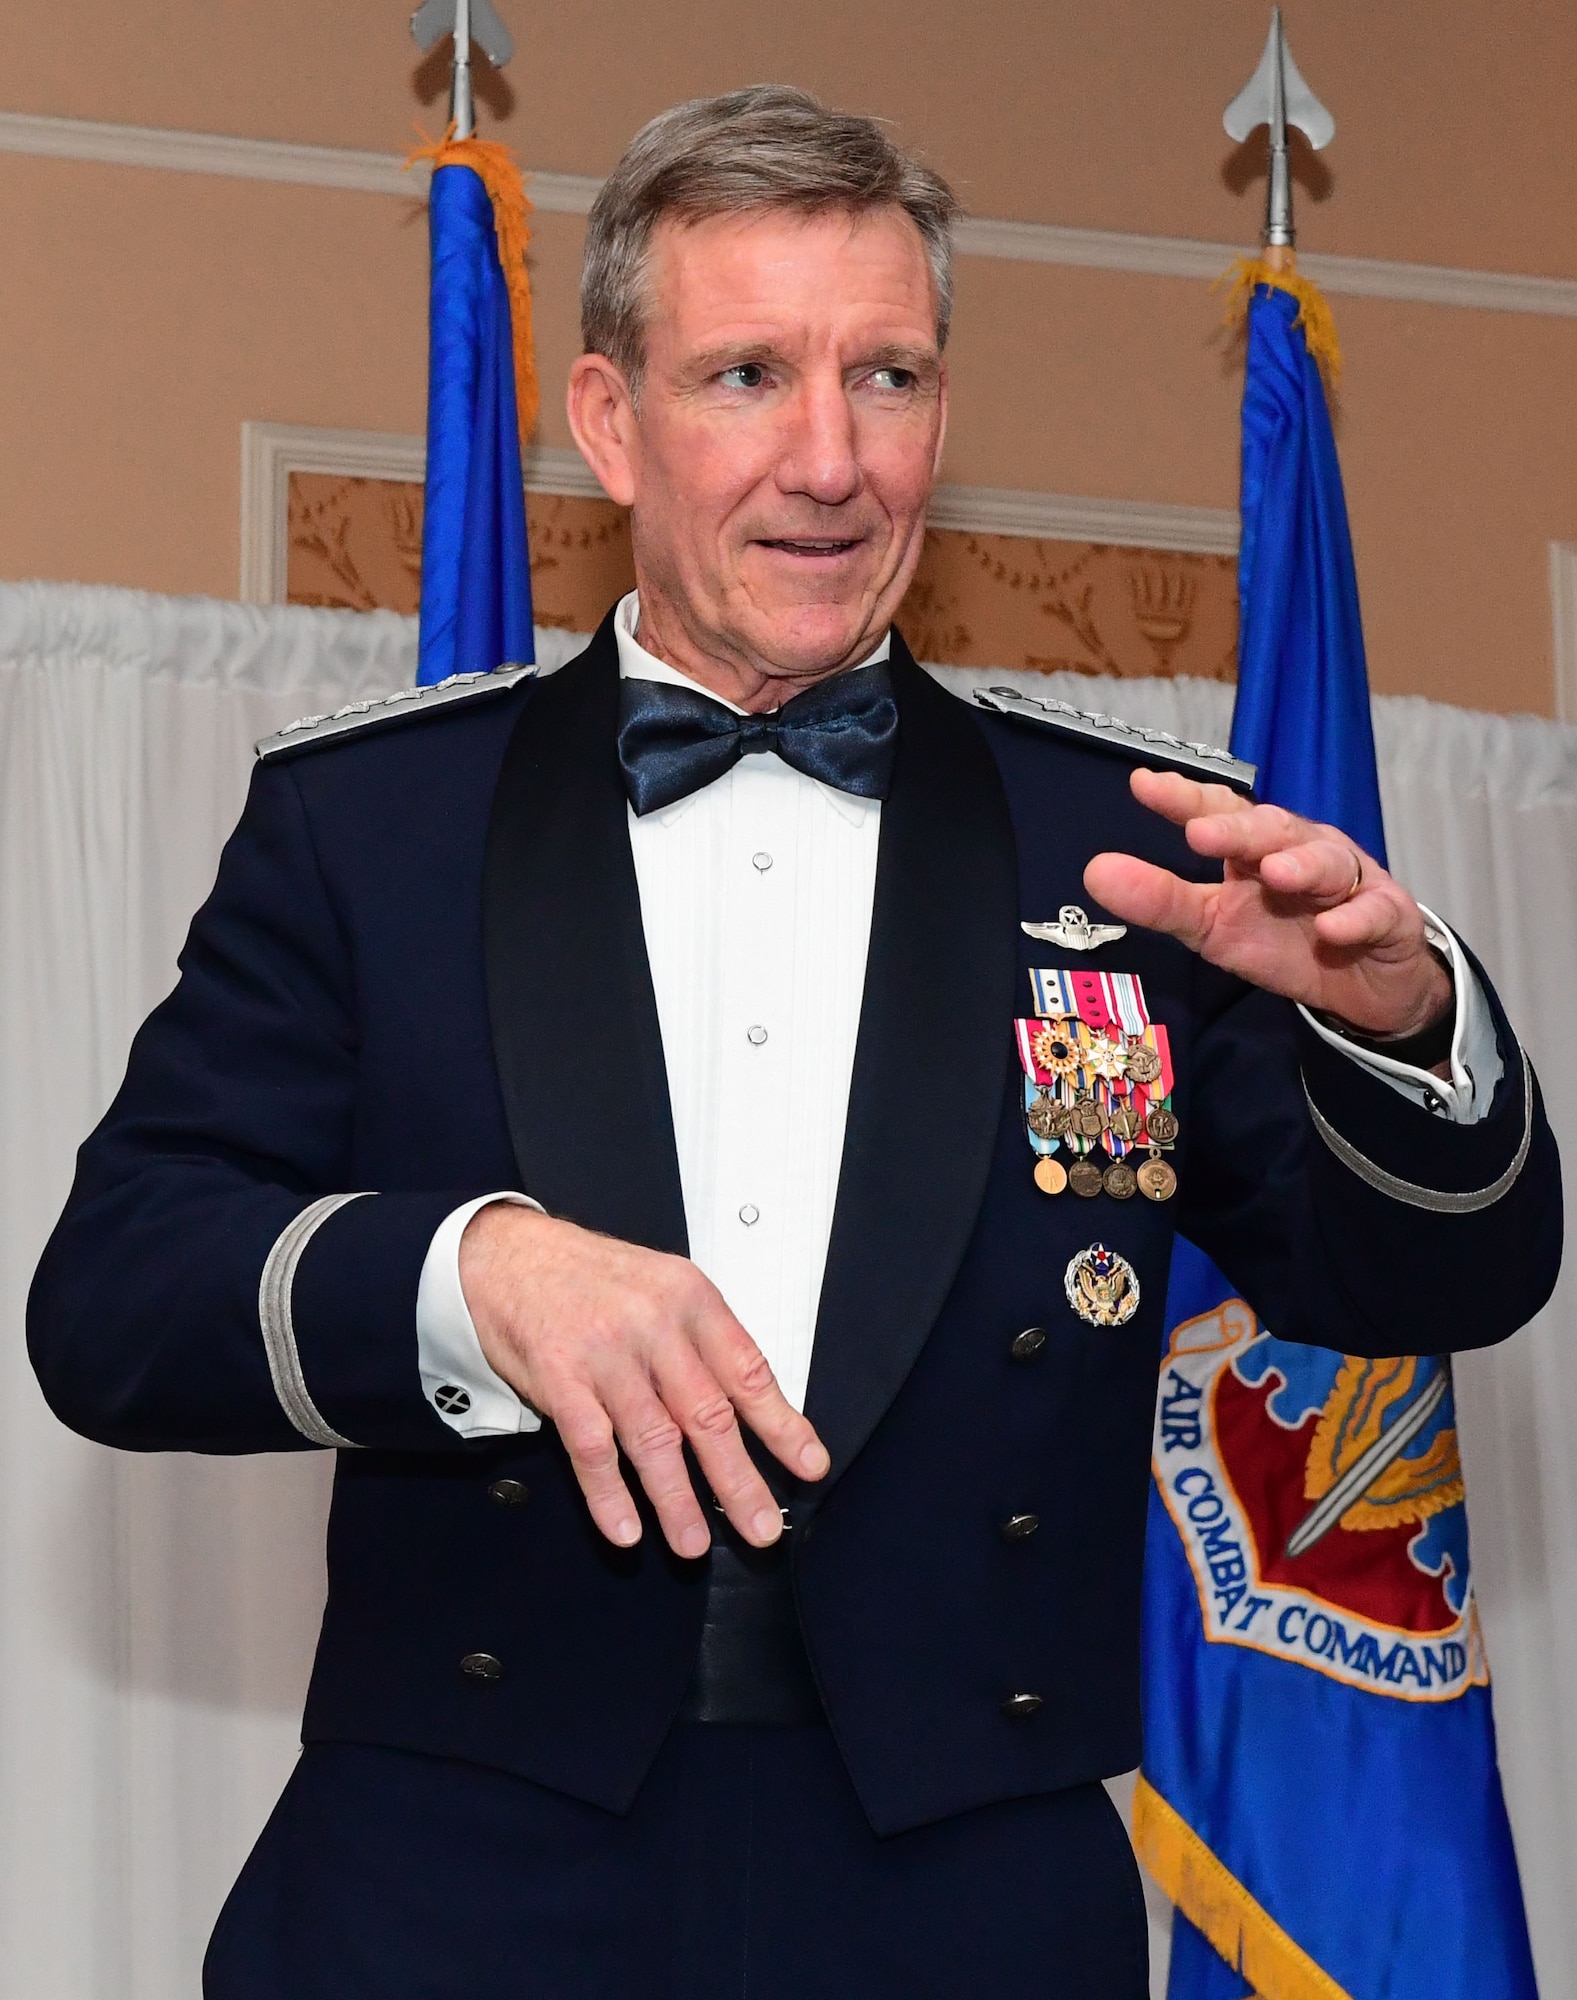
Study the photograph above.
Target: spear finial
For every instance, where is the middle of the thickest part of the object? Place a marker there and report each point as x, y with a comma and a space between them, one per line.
1277, 96
467, 21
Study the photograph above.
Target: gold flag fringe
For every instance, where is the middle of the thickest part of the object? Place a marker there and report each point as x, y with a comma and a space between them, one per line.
496, 167
1216, 1902
1314, 315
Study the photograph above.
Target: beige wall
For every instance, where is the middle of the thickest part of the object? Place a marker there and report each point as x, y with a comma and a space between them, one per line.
148, 314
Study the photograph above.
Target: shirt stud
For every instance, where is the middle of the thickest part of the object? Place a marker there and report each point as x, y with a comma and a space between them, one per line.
749, 1214
761, 862
755, 1036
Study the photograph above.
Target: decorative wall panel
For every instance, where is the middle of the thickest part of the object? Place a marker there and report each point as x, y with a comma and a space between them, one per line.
977, 600
982, 600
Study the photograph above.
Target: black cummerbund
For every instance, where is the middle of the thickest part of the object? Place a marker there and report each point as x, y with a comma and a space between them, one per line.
752, 1666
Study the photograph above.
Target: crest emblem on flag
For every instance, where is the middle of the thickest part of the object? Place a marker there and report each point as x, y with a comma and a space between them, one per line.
1320, 1501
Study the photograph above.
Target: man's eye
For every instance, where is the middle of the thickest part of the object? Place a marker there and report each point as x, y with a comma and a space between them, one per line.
893, 378
743, 375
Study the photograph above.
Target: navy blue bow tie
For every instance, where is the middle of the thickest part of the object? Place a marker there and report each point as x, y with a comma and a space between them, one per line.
673, 740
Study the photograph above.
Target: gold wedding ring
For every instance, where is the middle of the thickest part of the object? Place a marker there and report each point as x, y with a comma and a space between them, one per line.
1357, 880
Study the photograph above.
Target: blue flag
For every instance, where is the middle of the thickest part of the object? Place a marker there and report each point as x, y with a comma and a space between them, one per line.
476, 575
1320, 1796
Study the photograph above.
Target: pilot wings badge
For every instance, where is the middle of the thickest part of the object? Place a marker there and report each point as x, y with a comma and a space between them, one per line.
1074, 931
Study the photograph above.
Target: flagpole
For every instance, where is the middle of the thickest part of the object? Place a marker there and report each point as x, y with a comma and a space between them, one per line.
1277, 96
1280, 235
462, 106
467, 21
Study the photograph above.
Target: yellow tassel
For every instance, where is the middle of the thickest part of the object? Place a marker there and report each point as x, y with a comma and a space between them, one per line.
1215, 1902
496, 167
1314, 315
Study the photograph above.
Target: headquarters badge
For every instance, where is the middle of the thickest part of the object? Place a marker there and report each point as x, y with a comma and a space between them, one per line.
1102, 1288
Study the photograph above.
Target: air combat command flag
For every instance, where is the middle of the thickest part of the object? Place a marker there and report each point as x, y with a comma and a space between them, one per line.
1320, 1796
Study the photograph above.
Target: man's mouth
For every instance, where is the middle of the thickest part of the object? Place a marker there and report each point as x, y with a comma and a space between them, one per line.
809, 546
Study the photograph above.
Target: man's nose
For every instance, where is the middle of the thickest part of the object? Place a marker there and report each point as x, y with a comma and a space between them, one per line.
821, 459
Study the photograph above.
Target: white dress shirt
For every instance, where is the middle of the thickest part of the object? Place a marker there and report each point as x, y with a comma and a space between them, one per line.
756, 903
756, 897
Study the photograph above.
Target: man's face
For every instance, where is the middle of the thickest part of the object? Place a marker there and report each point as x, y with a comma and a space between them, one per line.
787, 438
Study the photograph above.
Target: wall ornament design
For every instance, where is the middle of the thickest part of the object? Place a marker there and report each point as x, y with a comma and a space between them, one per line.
1041, 581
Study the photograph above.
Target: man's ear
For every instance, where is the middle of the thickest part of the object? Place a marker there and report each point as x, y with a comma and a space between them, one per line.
602, 421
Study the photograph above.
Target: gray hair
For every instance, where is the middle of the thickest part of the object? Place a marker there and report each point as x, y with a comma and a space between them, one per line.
770, 147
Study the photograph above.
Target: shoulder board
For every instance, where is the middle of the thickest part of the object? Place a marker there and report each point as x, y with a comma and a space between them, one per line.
312, 730
1145, 746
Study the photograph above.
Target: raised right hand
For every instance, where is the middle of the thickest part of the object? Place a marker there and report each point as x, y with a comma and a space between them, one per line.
624, 1347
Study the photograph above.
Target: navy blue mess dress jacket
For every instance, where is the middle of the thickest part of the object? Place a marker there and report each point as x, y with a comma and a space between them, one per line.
422, 973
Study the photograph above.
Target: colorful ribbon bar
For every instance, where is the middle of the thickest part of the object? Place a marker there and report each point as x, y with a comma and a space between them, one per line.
1112, 1002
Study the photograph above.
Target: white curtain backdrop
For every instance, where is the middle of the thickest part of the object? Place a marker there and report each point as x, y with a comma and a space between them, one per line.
157, 1615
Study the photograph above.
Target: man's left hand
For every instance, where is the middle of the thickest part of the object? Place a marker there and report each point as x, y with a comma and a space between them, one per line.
1302, 911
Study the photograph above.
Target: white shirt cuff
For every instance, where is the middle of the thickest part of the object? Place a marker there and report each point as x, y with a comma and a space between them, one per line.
1465, 1096
456, 1379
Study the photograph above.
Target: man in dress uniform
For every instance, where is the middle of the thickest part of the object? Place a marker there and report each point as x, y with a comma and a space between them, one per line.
701, 1136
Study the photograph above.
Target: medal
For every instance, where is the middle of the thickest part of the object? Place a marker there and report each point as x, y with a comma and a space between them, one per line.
1161, 1125
1097, 1075
1047, 1051
1157, 1180
1045, 1124
1103, 1058
1051, 1176
1101, 1287
1088, 1120
1055, 1055
1044, 1116
1084, 1177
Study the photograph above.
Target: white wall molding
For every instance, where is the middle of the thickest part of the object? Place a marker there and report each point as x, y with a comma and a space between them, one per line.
1443, 285
271, 452
1188, 257
978, 236
1563, 622
254, 159
1066, 517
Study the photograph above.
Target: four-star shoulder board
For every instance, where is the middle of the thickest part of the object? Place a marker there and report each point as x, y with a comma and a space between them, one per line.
1155, 747
312, 730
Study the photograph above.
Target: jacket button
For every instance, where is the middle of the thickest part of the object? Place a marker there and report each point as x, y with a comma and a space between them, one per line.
1028, 1344
1019, 1527
484, 1667
508, 1493
1018, 1706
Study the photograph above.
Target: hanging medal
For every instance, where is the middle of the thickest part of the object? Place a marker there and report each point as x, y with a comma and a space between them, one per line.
1157, 1178
1042, 1116
1104, 1063
1098, 1077
1048, 1060
1086, 1114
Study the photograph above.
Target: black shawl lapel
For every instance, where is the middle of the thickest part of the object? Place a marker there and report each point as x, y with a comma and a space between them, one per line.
569, 987
931, 1061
